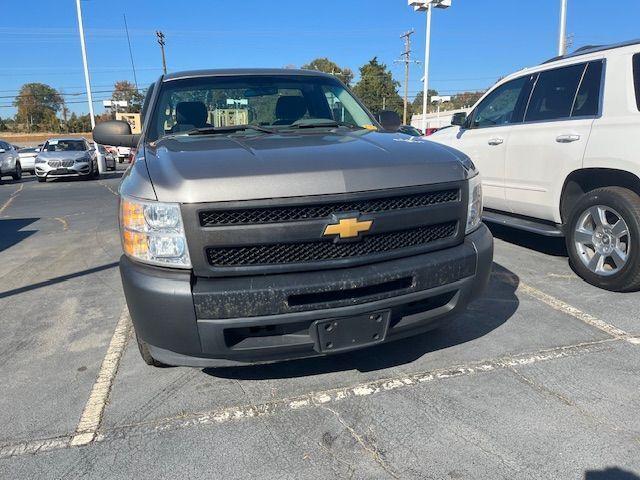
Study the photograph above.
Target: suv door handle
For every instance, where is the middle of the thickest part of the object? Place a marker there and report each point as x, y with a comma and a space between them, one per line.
567, 138
496, 141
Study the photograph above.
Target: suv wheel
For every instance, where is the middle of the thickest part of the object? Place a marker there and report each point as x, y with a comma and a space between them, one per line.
603, 239
146, 355
18, 173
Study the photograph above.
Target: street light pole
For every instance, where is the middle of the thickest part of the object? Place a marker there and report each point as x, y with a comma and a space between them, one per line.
427, 6
101, 164
562, 40
425, 86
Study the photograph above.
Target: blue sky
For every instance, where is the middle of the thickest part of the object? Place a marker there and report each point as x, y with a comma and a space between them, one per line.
473, 43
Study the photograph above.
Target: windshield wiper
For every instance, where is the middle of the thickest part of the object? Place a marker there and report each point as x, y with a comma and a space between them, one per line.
320, 123
228, 129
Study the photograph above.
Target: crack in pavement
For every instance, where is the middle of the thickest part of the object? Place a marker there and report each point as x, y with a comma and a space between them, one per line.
370, 449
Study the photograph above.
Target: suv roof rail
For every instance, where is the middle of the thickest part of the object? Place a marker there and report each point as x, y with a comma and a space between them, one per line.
593, 49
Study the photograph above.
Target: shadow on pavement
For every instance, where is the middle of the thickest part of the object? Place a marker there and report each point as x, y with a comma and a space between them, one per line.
613, 473
484, 316
11, 231
549, 245
60, 279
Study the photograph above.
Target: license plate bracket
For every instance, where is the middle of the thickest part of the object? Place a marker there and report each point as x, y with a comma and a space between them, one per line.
346, 333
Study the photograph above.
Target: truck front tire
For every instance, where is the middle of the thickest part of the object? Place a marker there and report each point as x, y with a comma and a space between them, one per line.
603, 238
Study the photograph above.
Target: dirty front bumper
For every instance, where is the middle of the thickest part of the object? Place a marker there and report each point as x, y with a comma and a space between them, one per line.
202, 322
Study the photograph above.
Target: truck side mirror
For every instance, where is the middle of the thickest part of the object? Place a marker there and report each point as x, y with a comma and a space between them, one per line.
116, 133
459, 119
389, 120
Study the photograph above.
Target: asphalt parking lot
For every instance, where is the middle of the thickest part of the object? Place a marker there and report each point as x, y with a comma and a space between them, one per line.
539, 379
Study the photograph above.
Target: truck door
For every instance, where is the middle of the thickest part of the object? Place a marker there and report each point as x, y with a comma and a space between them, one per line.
551, 141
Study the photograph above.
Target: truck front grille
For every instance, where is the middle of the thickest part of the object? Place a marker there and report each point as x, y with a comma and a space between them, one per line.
262, 215
296, 253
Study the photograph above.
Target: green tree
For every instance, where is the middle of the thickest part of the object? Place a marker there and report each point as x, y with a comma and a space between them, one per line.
377, 89
416, 105
327, 66
125, 90
37, 104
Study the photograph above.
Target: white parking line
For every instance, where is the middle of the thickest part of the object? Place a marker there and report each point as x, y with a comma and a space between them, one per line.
95, 407
564, 307
92, 415
6, 204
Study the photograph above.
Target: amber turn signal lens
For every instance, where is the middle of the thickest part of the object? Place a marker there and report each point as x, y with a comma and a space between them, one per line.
135, 243
132, 215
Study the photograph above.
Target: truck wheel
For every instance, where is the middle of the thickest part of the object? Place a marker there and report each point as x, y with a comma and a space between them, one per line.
146, 355
603, 239
18, 173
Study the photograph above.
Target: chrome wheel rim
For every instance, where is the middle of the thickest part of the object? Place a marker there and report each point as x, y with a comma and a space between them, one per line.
602, 240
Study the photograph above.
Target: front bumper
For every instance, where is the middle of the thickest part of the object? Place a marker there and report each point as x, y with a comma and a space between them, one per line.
204, 322
80, 169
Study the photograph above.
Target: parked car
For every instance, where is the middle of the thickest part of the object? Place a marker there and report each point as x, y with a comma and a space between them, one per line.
557, 147
109, 158
410, 130
27, 157
123, 154
297, 234
66, 157
9, 161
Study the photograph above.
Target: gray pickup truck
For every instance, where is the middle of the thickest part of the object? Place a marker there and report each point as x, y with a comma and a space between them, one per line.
269, 216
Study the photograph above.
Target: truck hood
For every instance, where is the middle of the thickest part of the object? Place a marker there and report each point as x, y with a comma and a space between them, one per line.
194, 169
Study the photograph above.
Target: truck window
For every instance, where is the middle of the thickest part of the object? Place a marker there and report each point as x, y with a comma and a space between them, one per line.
636, 77
499, 106
553, 95
587, 101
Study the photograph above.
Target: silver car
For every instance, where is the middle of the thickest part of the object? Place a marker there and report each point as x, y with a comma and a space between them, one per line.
9, 161
66, 157
27, 157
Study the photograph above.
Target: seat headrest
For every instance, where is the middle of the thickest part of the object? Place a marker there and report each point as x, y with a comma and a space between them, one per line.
291, 108
191, 113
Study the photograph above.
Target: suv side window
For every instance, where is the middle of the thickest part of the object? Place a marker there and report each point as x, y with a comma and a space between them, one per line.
4, 146
553, 95
587, 102
499, 108
636, 77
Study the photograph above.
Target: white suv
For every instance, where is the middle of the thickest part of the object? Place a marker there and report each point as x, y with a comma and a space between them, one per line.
558, 146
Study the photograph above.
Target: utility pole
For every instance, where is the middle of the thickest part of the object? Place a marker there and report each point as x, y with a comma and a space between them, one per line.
161, 42
562, 36
406, 59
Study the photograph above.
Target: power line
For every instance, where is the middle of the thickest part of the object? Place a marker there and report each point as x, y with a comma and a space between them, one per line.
161, 42
133, 65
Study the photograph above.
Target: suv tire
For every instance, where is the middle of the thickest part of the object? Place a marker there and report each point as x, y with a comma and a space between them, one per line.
146, 355
603, 239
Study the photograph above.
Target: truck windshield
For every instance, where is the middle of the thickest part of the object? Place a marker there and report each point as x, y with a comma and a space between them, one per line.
273, 101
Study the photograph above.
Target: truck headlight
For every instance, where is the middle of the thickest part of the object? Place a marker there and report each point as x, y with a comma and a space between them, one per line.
153, 232
474, 212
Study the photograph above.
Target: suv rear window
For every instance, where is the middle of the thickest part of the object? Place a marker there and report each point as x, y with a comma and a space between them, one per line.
554, 93
587, 101
636, 77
